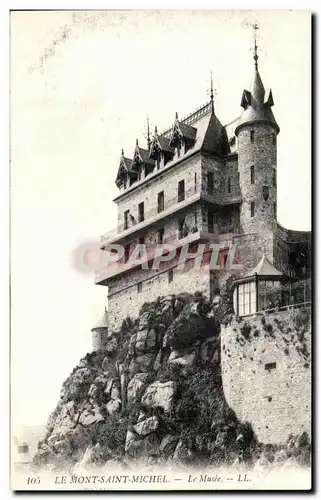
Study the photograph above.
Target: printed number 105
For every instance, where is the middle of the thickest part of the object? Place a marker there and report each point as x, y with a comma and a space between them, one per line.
33, 480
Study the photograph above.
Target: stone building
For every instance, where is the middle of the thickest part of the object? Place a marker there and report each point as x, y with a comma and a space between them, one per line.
200, 183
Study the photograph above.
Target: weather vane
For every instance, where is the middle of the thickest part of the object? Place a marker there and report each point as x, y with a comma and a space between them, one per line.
212, 92
255, 56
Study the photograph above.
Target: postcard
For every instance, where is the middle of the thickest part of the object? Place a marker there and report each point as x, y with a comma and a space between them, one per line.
160, 250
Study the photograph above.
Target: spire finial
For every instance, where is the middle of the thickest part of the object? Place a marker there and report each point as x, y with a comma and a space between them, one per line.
255, 56
148, 134
155, 129
176, 115
122, 152
212, 93
136, 142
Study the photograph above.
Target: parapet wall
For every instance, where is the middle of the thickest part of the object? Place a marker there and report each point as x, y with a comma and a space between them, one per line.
266, 372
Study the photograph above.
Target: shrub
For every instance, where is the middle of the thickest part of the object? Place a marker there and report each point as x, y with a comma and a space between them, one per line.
246, 330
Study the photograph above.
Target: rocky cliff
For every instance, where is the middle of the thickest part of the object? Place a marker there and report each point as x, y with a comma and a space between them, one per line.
154, 394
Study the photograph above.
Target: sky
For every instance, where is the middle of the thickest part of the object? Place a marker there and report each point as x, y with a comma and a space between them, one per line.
82, 84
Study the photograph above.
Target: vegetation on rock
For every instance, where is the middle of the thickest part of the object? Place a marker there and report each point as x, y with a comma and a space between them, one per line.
154, 392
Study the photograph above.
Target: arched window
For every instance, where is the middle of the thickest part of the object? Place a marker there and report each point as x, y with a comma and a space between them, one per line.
252, 135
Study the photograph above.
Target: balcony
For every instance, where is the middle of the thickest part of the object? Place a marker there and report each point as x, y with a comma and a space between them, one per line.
152, 216
176, 240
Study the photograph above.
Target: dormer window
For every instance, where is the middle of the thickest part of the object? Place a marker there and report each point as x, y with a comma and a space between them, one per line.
160, 150
142, 165
123, 175
182, 136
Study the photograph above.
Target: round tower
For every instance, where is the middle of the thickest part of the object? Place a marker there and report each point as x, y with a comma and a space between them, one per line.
257, 132
100, 332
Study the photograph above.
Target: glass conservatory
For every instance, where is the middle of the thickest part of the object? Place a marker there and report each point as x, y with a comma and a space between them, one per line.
258, 290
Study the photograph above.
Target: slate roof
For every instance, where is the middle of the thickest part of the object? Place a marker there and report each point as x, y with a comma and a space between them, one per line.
257, 104
264, 268
165, 144
188, 131
215, 139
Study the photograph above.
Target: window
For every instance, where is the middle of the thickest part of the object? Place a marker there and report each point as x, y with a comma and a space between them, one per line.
270, 366
252, 209
210, 182
160, 236
126, 253
252, 135
126, 219
274, 139
252, 174
181, 190
139, 287
141, 212
238, 177
229, 185
195, 181
160, 202
170, 275
210, 219
274, 177
247, 298
274, 210
181, 228
141, 240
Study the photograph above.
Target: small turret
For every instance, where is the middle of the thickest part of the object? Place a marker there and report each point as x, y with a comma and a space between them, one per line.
99, 332
257, 102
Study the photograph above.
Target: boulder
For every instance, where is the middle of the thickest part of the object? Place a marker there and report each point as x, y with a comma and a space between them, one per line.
160, 394
115, 392
89, 418
113, 406
189, 328
142, 363
109, 386
134, 447
182, 453
93, 390
145, 341
168, 444
146, 426
157, 362
186, 360
136, 386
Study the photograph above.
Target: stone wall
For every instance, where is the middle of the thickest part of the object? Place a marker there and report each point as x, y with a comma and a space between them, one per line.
126, 299
266, 372
251, 247
223, 171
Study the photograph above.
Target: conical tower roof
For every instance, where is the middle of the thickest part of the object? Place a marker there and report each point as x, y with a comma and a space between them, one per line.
102, 322
257, 104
